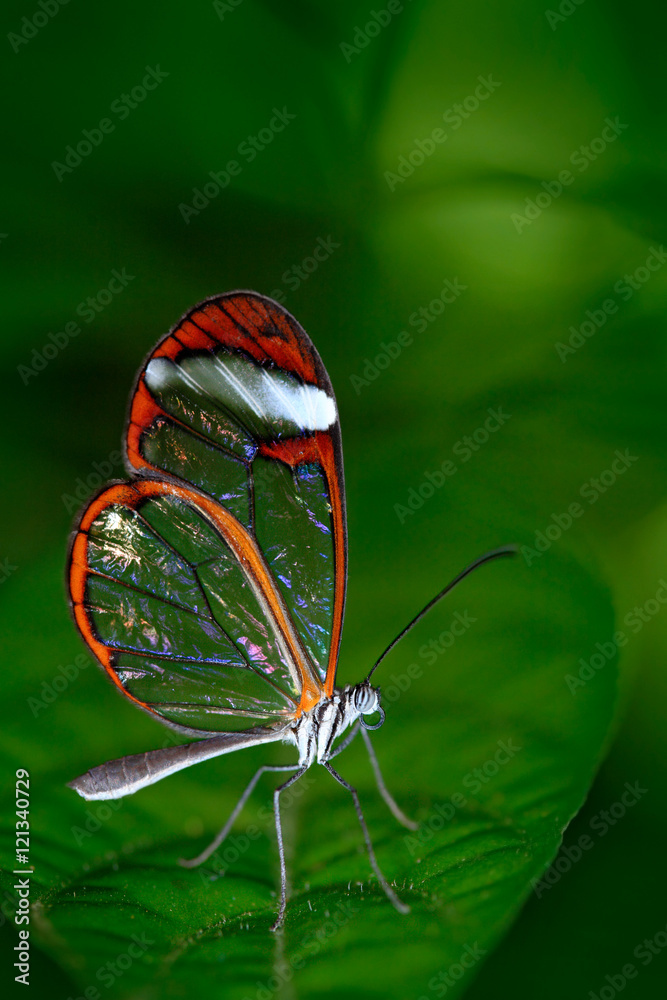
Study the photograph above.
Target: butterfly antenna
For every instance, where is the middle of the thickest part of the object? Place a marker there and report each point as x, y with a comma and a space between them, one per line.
506, 550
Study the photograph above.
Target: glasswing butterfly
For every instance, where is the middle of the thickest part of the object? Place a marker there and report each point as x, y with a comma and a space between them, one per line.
211, 585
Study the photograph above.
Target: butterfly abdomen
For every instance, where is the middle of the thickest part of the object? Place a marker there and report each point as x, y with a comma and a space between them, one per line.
128, 774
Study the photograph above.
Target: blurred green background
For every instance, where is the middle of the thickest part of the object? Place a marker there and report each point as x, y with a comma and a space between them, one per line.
512, 151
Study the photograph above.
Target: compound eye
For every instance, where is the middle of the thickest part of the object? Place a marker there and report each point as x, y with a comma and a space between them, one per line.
365, 700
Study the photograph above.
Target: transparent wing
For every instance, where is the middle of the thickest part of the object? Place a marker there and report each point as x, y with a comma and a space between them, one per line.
176, 600
236, 401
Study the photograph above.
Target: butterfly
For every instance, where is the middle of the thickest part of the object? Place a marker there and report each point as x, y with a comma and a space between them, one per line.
211, 584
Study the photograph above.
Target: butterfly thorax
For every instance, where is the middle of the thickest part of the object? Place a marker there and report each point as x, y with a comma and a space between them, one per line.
316, 731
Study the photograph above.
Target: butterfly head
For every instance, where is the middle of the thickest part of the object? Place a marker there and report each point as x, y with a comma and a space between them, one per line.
366, 700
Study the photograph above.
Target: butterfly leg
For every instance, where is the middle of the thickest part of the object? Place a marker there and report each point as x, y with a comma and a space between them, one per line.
281, 848
213, 846
382, 788
391, 895
344, 744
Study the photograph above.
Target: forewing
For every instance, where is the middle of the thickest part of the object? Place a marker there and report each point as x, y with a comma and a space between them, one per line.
236, 401
175, 599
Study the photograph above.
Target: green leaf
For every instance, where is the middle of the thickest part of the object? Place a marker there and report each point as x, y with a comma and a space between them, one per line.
487, 745
495, 345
